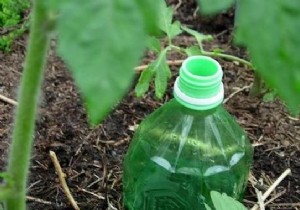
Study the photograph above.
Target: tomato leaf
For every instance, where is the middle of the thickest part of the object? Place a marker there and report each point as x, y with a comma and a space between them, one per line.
207, 207
153, 44
101, 42
166, 21
144, 81
198, 36
150, 13
163, 73
224, 202
272, 36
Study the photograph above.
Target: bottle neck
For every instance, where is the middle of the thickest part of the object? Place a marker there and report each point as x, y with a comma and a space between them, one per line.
201, 103
199, 85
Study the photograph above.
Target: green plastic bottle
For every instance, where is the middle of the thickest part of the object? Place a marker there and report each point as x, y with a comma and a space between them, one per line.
188, 147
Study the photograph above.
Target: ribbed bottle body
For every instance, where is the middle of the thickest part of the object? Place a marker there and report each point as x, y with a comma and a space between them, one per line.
179, 155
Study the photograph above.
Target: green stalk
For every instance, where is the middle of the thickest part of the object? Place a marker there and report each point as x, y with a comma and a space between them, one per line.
22, 138
229, 57
257, 86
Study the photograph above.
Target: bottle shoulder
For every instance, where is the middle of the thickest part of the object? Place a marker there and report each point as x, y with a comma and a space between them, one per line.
174, 111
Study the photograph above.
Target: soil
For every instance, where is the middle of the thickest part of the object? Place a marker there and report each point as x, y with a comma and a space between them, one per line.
92, 158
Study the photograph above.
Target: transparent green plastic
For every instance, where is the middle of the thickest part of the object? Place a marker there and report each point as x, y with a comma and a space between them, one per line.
178, 155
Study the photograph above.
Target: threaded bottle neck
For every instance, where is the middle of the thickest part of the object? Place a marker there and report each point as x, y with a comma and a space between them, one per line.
199, 85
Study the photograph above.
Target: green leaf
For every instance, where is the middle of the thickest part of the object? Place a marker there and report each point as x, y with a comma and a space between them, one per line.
175, 29
214, 6
150, 12
165, 22
207, 207
269, 97
193, 50
198, 36
163, 73
101, 41
224, 202
153, 44
145, 78
271, 35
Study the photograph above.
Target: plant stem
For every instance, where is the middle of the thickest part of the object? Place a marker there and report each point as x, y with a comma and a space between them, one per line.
22, 138
229, 57
179, 49
214, 54
256, 88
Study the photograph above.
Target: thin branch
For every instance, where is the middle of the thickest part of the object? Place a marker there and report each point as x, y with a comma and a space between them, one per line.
275, 197
8, 100
276, 183
62, 180
212, 54
38, 200
91, 193
195, 12
260, 200
235, 92
272, 187
178, 5
170, 63
229, 57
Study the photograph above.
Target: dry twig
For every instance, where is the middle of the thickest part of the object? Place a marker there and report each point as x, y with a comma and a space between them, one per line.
275, 197
235, 92
91, 193
260, 200
8, 100
178, 5
62, 180
38, 200
170, 63
272, 187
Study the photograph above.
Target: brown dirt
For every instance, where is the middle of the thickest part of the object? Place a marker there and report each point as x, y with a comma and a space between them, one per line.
92, 158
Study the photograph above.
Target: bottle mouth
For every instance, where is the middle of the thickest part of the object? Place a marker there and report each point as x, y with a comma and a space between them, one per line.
202, 66
199, 85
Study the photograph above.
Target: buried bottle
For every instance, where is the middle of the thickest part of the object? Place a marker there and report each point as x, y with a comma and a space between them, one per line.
188, 147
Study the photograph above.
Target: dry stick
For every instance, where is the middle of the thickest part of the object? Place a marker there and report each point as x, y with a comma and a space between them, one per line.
91, 193
260, 200
178, 5
38, 200
62, 180
8, 100
275, 197
171, 63
285, 205
235, 92
272, 187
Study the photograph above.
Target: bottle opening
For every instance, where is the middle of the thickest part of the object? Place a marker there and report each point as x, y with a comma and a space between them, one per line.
201, 67
199, 85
